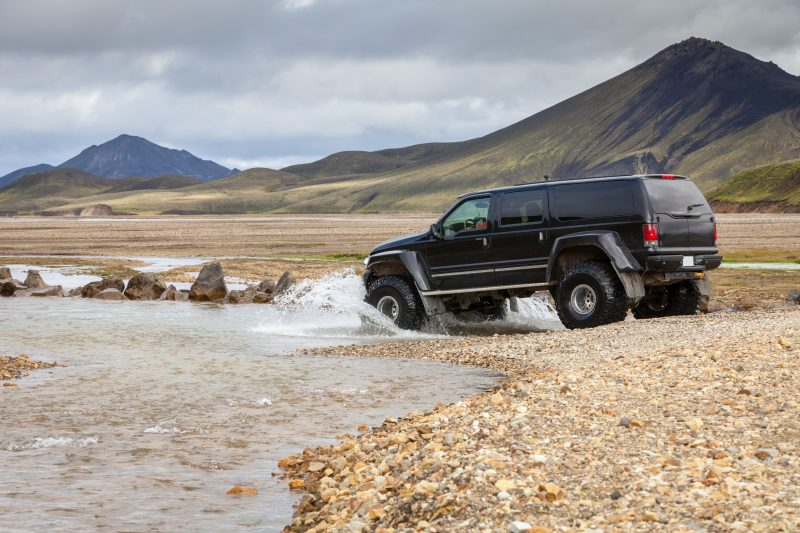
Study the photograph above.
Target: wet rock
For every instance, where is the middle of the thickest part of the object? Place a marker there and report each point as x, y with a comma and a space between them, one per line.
34, 280
241, 297
173, 295
267, 286
209, 285
145, 287
285, 282
9, 286
240, 490
54, 290
5, 273
111, 282
110, 294
262, 297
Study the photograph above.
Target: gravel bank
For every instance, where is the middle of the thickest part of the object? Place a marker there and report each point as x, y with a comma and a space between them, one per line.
676, 424
16, 367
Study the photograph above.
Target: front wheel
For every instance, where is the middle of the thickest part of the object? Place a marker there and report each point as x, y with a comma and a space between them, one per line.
590, 294
397, 299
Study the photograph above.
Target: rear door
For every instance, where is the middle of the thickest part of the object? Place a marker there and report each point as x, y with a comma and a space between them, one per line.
521, 242
462, 258
685, 221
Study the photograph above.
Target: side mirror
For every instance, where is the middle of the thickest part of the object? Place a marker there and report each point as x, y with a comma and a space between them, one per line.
436, 231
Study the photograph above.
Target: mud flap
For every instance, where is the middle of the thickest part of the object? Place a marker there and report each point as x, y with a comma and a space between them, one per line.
705, 289
633, 284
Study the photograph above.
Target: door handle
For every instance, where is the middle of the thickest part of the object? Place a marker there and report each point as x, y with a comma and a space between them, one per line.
541, 236
484, 240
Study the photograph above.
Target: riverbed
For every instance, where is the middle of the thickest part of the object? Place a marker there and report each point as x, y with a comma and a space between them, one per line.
161, 407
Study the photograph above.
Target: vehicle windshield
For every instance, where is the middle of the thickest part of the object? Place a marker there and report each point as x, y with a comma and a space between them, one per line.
470, 215
675, 196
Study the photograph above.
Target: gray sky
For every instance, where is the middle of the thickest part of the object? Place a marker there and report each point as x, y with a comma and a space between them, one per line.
271, 83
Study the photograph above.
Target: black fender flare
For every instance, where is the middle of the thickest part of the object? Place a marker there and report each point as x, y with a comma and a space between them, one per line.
410, 260
609, 242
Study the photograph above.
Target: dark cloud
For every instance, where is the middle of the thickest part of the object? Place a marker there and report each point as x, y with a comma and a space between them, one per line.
256, 82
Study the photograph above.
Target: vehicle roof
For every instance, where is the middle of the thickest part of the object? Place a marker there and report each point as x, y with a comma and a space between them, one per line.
524, 186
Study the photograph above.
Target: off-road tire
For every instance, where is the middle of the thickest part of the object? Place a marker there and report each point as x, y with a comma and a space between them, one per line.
411, 313
683, 298
611, 302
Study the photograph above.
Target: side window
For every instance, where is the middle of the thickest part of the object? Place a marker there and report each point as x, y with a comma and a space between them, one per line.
470, 215
524, 207
593, 200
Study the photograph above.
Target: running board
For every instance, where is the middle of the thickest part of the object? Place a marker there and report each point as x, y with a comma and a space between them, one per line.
489, 289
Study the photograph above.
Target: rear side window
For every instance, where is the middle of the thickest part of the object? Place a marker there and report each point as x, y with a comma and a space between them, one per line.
524, 207
593, 200
675, 196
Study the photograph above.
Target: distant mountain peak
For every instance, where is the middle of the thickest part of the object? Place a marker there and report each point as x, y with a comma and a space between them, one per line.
131, 156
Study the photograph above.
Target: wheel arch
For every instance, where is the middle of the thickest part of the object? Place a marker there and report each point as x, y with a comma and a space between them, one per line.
598, 246
400, 263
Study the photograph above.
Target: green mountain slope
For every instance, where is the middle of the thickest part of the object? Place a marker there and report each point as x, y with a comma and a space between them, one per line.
774, 188
347, 164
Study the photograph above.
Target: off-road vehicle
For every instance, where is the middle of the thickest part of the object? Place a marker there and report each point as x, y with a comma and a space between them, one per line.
601, 246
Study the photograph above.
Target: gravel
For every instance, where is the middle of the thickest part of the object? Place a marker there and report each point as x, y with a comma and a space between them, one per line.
678, 424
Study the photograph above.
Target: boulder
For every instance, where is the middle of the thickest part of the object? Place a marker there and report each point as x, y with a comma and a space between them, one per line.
9, 286
109, 294
51, 290
267, 286
241, 297
209, 285
111, 282
263, 297
173, 295
793, 295
145, 287
5, 273
286, 281
34, 280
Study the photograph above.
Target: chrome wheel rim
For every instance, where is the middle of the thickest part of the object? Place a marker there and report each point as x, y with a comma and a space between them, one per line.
388, 306
583, 299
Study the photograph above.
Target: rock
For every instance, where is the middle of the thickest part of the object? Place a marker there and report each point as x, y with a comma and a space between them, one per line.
34, 280
518, 526
9, 286
625, 422
54, 290
793, 295
173, 295
238, 489
5, 273
111, 282
286, 281
109, 294
267, 286
766, 453
99, 210
784, 342
209, 285
694, 424
145, 287
241, 297
262, 297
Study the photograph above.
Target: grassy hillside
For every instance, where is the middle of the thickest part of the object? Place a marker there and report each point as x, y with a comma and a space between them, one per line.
771, 188
347, 164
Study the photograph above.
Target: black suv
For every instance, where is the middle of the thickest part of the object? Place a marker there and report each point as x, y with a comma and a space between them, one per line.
599, 245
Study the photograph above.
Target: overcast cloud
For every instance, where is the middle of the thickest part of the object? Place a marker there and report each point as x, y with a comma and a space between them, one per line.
271, 83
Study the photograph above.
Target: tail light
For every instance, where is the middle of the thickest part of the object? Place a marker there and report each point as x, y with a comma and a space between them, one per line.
667, 176
715, 233
650, 234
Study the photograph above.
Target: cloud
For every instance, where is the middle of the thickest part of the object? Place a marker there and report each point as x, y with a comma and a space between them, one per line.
255, 81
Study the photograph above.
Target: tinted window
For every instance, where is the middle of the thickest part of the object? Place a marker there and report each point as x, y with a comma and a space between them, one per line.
524, 207
593, 200
470, 215
675, 196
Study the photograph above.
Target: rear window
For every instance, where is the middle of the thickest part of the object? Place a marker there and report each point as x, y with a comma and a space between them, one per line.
524, 207
593, 200
675, 196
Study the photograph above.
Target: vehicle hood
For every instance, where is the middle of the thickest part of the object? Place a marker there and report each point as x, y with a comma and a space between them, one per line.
399, 242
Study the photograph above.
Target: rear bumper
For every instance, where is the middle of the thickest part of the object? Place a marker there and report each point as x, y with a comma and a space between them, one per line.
674, 263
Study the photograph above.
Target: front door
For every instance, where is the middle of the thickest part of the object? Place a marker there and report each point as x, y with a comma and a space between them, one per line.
462, 259
521, 243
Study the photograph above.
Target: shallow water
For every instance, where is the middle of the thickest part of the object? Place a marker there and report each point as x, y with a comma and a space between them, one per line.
162, 407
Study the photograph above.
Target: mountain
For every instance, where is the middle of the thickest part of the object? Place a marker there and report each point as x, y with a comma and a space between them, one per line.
771, 188
698, 108
59, 186
14, 176
709, 110
127, 156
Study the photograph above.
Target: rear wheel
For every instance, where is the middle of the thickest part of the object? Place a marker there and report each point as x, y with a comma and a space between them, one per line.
397, 299
590, 294
678, 299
